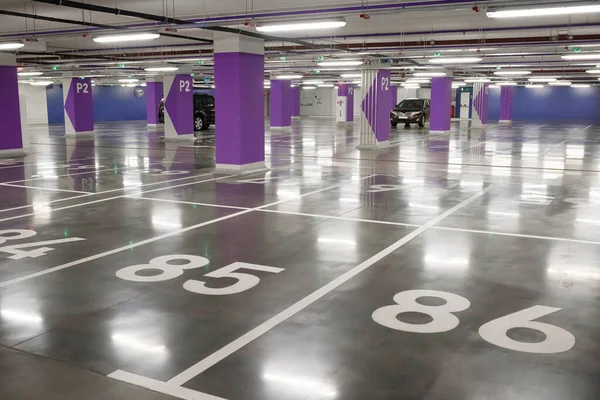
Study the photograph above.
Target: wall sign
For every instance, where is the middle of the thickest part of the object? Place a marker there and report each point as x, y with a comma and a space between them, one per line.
138, 92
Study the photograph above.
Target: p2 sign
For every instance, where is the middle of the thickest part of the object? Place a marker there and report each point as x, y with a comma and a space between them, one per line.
185, 86
82, 87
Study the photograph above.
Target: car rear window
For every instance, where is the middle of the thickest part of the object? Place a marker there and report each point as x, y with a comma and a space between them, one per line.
412, 103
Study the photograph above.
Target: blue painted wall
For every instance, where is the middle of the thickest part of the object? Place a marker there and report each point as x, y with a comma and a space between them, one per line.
54, 96
116, 103
550, 104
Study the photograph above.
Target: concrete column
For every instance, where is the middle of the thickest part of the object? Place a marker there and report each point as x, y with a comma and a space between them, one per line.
295, 102
13, 136
79, 106
239, 91
480, 105
375, 114
506, 96
345, 103
441, 105
281, 104
154, 94
179, 106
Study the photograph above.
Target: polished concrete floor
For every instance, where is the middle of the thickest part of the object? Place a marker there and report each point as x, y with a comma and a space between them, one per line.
445, 267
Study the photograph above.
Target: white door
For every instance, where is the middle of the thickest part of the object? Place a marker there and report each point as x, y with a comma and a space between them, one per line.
464, 105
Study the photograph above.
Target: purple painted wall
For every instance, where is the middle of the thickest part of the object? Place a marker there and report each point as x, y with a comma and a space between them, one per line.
10, 111
506, 95
480, 101
281, 103
375, 105
295, 101
239, 108
441, 103
347, 90
154, 93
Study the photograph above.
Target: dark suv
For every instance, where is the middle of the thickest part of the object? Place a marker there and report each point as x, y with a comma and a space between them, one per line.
204, 111
410, 111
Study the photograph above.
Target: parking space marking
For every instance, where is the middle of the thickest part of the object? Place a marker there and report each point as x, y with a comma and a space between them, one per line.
172, 386
187, 202
44, 188
156, 238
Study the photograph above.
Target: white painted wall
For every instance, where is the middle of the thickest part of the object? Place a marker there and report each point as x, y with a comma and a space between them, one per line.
318, 103
37, 105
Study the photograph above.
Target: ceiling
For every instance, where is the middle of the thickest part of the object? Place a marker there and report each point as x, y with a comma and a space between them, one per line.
407, 34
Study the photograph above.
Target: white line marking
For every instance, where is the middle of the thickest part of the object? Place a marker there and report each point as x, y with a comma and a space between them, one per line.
186, 202
260, 330
43, 188
154, 239
112, 198
46, 164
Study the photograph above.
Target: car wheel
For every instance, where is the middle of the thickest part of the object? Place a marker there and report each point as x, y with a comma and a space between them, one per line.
198, 123
422, 121
394, 124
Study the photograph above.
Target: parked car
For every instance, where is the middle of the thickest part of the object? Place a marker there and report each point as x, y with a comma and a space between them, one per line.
411, 111
204, 111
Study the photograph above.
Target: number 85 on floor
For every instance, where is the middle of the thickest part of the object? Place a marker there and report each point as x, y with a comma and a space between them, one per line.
168, 271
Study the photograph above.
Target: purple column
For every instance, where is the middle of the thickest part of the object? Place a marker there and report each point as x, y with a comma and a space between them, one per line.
154, 94
281, 104
375, 117
11, 135
480, 105
441, 104
506, 96
295, 102
345, 103
239, 104
179, 107
79, 106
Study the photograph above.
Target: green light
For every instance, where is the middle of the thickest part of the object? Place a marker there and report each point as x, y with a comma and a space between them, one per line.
412, 70
320, 58
192, 74
281, 58
120, 65
436, 54
54, 68
131, 242
66, 233
200, 62
317, 71
195, 206
577, 49
498, 67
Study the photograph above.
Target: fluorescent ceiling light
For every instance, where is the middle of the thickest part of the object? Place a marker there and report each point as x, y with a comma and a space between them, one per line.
134, 37
593, 71
350, 75
581, 57
326, 85
288, 77
494, 86
30, 73
542, 80
534, 86
11, 46
455, 60
162, 69
418, 80
506, 83
560, 83
128, 80
309, 82
357, 82
512, 72
41, 83
580, 85
477, 80
301, 26
458, 84
340, 63
430, 74
309, 87
542, 11
411, 86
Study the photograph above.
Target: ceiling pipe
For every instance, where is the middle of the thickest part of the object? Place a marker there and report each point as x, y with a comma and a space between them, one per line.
176, 21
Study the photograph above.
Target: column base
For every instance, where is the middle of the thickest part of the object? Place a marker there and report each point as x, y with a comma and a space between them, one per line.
181, 138
12, 153
377, 146
439, 132
505, 121
281, 127
240, 169
79, 134
155, 125
295, 117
